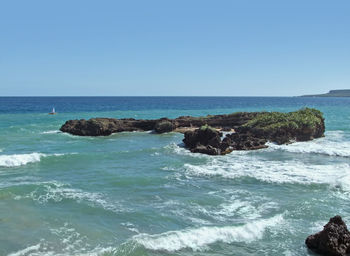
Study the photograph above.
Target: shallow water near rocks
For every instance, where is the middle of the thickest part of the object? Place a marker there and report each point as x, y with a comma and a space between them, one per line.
143, 194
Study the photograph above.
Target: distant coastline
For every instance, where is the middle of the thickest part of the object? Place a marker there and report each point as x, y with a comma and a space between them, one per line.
332, 93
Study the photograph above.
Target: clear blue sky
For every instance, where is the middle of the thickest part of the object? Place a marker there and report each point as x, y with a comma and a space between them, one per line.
179, 47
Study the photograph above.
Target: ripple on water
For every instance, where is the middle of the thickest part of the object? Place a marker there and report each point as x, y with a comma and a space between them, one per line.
54, 191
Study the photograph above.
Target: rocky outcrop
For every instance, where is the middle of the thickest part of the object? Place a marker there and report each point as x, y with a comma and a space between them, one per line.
280, 128
209, 141
205, 140
333, 240
244, 141
302, 125
252, 130
107, 126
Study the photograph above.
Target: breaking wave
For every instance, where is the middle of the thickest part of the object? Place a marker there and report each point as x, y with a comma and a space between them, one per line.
273, 171
51, 132
334, 144
21, 159
199, 238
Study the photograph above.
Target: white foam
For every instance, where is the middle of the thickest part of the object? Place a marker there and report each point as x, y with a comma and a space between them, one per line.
199, 238
42, 250
67, 242
56, 191
51, 132
23, 159
334, 144
273, 171
181, 150
20, 159
174, 148
238, 207
25, 251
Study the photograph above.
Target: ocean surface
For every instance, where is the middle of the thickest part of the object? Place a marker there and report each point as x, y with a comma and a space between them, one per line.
138, 193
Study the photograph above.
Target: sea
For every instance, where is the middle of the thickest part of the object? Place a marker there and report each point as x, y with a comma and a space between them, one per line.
140, 193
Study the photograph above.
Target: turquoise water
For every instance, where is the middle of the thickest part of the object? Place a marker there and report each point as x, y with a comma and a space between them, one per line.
143, 194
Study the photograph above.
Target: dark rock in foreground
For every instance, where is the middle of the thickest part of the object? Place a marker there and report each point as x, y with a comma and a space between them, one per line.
333, 240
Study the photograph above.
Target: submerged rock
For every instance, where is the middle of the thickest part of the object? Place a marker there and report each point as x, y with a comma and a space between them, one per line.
333, 240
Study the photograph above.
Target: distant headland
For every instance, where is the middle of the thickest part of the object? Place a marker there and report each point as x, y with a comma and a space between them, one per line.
332, 93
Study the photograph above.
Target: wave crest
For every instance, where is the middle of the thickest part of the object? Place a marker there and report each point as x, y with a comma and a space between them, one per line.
292, 172
20, 159
199, 238
335, 143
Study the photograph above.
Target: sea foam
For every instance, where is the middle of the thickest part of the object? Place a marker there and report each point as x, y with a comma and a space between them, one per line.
198, 239
26, 251
334, 144
54, 191
51, 132
291, 171
20, 159
23, 159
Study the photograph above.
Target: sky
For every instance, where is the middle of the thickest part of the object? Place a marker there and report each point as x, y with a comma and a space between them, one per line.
174, 48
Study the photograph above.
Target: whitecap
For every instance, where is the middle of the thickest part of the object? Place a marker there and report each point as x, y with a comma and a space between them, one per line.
198, 239
273, 171
51, 132
20, 159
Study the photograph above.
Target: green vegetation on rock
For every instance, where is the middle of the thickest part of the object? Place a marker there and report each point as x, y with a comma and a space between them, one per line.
301, 119
206, 126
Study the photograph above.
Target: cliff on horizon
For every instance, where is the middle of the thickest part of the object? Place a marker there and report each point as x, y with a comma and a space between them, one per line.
332, 93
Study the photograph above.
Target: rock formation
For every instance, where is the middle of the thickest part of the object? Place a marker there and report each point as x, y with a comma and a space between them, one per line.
107, 126
205, 140
279, 128
333, 240
252, 130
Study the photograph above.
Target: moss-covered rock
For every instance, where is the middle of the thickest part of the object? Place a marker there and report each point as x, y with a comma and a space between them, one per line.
164, 126
301, 125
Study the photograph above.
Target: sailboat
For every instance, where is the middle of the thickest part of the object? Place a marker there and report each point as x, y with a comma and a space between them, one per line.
53, 112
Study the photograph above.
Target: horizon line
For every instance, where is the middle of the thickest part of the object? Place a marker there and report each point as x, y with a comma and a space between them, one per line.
129, 96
